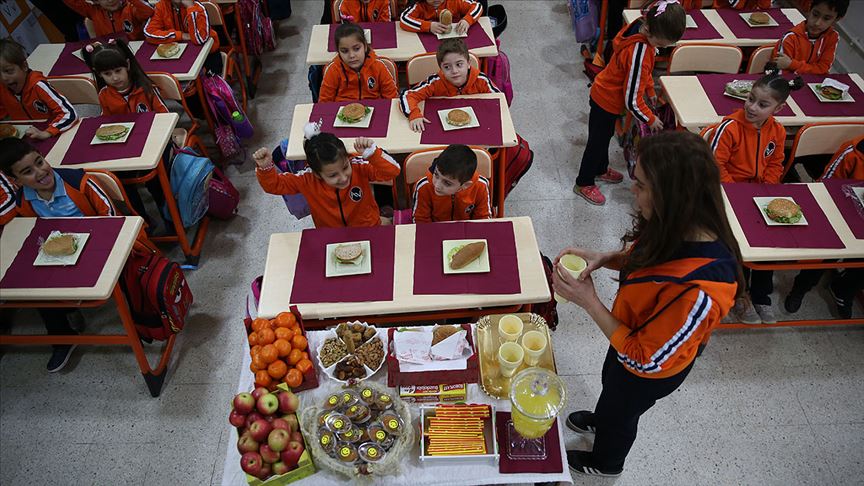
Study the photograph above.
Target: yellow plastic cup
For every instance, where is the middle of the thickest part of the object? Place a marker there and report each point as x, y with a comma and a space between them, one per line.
510, 328
534, 343
574, 265
510, 357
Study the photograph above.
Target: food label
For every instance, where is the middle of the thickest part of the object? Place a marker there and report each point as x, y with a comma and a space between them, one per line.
366, 393
346, 397
380, 435
372, 452
393, 424
325, 440
338, 424
345, 452
333, 400
353, 409
384, 398
433, 393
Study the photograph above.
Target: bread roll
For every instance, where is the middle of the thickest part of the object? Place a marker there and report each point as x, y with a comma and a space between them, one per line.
446, 18
467, 254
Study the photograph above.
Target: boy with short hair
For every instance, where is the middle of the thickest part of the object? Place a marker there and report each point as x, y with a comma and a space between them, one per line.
114, 16
452, 190
810, 46
455, 77
424, 15
176, 20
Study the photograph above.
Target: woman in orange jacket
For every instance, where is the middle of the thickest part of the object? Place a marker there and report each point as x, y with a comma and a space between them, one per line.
114, 16
679, 275
355, 73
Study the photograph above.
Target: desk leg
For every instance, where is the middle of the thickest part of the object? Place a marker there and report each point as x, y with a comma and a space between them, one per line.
500, 164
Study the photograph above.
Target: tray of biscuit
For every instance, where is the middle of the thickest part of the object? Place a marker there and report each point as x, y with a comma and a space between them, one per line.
352, 352
458, 433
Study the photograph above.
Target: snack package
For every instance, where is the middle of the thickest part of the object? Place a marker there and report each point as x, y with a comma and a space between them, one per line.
433, 393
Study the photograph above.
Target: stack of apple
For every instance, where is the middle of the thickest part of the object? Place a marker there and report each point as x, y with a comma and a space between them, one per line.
270, 441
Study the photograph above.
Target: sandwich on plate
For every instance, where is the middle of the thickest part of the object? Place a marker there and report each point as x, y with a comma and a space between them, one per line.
783, 210
353, 112
458, 118
107, 133
461, 256
446, 18
349, 253
62, 245
168, 50
759, 18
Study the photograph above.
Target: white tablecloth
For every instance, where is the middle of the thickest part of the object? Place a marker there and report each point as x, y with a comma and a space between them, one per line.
413, 471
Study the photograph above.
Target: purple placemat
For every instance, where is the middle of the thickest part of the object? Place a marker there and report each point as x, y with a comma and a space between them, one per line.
714, 84
506, 465
383, 35
81, 151
704, 30
22, 274
377, 127
68, 64
311, 285
806, 99
429, 276
174, 66
476, 39
488, 114
742, 30
848, 203
818, 233
43, 146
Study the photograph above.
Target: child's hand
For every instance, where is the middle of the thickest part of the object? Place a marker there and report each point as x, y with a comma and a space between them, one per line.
362, 143
462, 27
263, 157
783, 61
657, 125
438, 28
418, 124
37, 134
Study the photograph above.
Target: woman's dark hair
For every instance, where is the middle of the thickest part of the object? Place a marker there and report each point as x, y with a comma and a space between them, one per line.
668, 25
779, 86
347, 30
685, 191
13, 52
323, 149
105, 57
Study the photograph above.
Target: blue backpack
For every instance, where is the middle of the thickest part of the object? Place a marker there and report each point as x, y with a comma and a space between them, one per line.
190, 183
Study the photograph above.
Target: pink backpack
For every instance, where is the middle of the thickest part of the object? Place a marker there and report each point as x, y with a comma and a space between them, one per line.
222, 104
224, 197
498, 70
257, 28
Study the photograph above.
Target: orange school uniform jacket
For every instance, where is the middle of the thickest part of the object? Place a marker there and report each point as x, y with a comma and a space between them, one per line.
743, 4
331, 207
358, 11
169, 22
38, 101
627, 78
667, 310
341, 83
129, 19
848, 162
472, 202
438, 86
419, 17
114, 102
8, 207
745, 154
84, 191
809, 56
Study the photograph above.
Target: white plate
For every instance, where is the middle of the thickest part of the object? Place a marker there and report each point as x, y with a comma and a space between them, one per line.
43, 260
691, 24
762, 203
847, 98
480, 265
859, 191
742, 98
331, 370
452, 33
78, 54
771, 23
442, 115
364, 123
337, 269
122, 139
156, 57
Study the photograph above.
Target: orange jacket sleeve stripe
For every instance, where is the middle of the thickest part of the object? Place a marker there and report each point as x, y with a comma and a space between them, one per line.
7, 200
62, 111
636, 86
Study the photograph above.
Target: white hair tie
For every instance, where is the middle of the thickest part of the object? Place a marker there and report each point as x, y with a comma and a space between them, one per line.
312, 129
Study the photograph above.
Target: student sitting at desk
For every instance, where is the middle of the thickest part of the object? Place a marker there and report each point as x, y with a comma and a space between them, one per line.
452, 190
355, 73
425, 15
810, 46
743, 4
27, 95
178, 20
114, 16
365, 11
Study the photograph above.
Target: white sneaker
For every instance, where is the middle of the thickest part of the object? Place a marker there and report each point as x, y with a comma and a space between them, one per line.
745, 312
766, 313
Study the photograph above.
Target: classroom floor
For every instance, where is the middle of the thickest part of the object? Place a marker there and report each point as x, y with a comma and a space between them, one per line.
780, 406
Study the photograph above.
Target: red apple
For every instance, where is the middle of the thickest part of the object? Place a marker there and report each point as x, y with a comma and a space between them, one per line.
288, 402
268, 455
292, 421
253, 416
266, 471
291, 455
278, 439
244, 403
247, 444
296, 436
281, 424
251, 463
280, 468
237, 419
268, 404
259, 430
259, 392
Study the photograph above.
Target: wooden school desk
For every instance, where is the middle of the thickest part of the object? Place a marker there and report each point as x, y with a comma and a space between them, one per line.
405, 306
795, 259
408, 44
726, 35
106, 287
694, 110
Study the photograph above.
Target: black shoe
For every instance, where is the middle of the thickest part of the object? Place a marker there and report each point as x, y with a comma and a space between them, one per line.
580, 462
844, 306
793, 302
60, 357
582, 421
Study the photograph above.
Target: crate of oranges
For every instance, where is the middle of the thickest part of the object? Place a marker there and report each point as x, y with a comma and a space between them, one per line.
280, 352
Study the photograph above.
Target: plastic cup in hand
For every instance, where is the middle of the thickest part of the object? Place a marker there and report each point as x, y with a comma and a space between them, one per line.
510, 357
574, 265
534, 343
509, 328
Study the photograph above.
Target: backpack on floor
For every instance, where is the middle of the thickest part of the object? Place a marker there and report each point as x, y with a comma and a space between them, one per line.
584, 17
517, 161
230, 120
223, 196
638, 130
316, 77
296, 203
547, 310
190, 182
498, 70
157, 292
257, 28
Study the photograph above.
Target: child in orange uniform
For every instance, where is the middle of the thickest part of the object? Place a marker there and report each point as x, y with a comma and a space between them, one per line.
810, 46
743, 4
624, 83
456, 77
336, 186
424, 14
123, 85
27, 95
7, 199
452, 190
176, 20
748, 147
365, 11
114, 16
355, 73
848, 161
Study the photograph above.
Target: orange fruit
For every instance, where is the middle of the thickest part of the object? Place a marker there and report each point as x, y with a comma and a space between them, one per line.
277, 369
294, 378
252, 368
298, 331
266, 336
299, 342
283, 333
304, 365
283, 347
262, 378
259, 363
255, 349
269, 354
295, 356
253, 338
285, 319
259, 324
305, 355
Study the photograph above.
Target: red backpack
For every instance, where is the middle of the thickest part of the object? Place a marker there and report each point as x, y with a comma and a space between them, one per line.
158, 294
518, 160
